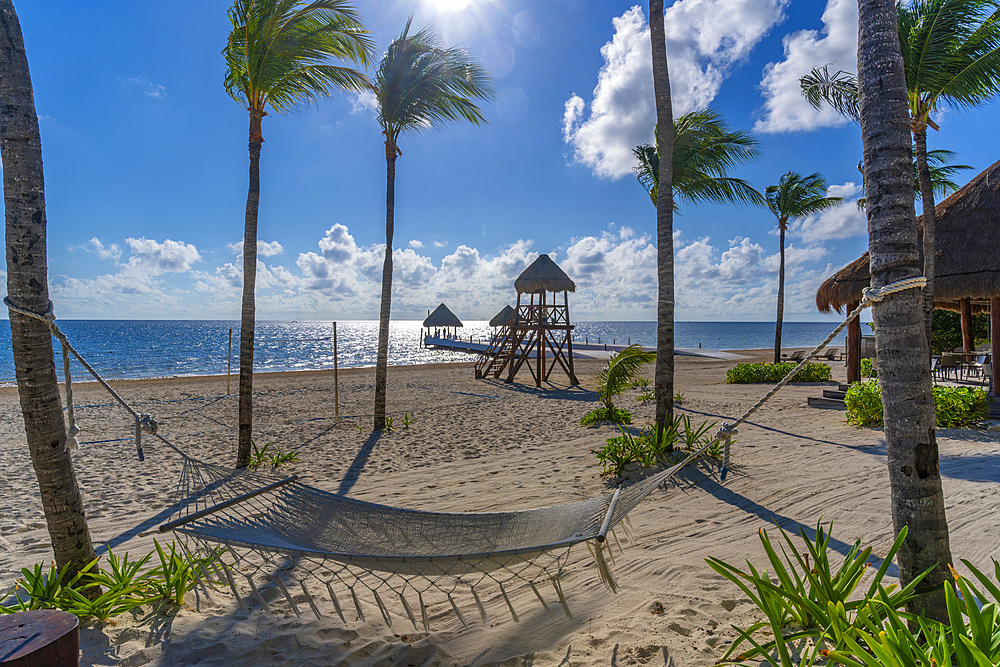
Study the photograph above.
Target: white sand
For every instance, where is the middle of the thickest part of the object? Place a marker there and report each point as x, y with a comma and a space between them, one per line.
478, 446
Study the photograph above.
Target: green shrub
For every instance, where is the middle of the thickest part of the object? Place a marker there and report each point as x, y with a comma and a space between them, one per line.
864, 404
748, 373
650, 448
867, 370
953, 406
614, 415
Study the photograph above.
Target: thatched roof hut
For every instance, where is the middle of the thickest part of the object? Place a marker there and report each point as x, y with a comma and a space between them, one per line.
501, 318
543, 275
967, 264
442, 317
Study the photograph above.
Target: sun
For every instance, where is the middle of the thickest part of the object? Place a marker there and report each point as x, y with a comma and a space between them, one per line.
448, 5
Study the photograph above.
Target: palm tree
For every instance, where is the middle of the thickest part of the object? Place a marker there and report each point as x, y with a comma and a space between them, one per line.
419, 85
795, 196
705, 148
27, 285
279, 53
663, 377
951, 56
911, 444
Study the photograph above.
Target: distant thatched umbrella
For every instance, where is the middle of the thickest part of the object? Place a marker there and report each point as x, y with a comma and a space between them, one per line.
442, 317
501, 318
543, 275
967, 263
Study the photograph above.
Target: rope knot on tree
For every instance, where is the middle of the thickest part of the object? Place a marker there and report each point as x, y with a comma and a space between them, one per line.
875, 294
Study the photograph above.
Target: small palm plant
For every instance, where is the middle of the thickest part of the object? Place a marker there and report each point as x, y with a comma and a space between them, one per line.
621, 370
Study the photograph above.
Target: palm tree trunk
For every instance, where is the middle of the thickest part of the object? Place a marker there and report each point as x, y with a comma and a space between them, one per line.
27, 285
664, 373
249, 310
382, 358
929, 226
914, 476
781, 295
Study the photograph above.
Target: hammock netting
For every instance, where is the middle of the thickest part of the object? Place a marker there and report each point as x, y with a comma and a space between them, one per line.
305, 539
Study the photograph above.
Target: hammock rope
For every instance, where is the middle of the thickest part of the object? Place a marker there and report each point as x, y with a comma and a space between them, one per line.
280, 529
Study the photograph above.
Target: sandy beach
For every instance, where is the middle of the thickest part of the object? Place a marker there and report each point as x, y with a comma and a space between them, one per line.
482, 445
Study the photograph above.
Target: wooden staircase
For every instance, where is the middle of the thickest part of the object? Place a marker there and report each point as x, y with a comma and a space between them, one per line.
495, 358
831, 398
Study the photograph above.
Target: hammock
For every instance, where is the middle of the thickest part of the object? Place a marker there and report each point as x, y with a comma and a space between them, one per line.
324, 538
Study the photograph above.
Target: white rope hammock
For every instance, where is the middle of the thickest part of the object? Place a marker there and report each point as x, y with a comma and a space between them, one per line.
284, 530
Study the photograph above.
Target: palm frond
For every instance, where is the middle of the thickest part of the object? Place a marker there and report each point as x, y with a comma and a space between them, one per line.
420, 84
839, 90
622, 368
284, 52
705, 149
797, 196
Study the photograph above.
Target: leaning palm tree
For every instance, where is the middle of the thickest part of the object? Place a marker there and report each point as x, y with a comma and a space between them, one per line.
705, 149
663, 377
419, 85
27, 287
951, 57
282, 53
795, 196
911, 445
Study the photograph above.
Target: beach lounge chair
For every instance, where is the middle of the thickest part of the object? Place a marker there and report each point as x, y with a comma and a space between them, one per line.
797, 355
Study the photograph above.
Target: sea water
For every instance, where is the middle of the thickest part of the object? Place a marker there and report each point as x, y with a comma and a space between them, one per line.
121, 349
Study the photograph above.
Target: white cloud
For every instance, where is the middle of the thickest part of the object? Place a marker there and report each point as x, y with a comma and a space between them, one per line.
150, 89
785, 110
416, 244
167, 257
615, 273
705, 38
440, 244
264, 248
364, 101
841, 222
94, 245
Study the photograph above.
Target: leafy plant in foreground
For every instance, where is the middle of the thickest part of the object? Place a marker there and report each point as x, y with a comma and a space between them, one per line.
810, 600
645, 396
650, 448
407, 420
390, 425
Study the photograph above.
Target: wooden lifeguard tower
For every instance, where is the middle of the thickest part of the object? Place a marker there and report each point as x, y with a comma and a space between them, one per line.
538, 328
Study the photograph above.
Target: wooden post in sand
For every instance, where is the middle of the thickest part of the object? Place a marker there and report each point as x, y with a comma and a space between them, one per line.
229, 361
336, 380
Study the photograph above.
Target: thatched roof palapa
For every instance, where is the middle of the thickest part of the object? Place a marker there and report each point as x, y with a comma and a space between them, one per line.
442, 317
501, 318
543, 275
967, 263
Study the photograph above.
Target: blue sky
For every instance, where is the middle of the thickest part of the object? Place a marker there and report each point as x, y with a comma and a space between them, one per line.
146, 164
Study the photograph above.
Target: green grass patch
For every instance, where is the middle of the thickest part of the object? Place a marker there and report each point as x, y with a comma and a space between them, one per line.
750, 373
613, 415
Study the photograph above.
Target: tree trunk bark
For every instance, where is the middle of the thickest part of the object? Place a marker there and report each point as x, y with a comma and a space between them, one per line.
901, 342
382, 358
781, 294
249, 310
27, 285
664, 372
928, 227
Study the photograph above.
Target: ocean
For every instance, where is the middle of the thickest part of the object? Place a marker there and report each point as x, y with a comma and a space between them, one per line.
133, 349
